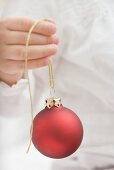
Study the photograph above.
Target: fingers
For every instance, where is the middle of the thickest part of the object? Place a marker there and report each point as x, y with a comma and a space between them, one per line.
13, 36
24, 25
13, 66
17, 52
19, 38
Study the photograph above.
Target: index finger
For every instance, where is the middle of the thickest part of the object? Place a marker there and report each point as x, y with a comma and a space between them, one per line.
45, 27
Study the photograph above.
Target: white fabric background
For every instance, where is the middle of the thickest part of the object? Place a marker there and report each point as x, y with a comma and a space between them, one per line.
84, 77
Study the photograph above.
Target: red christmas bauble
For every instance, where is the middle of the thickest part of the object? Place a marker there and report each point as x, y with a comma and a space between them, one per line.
57, 132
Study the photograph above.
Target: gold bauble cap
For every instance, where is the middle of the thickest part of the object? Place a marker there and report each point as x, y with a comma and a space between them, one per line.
53, 102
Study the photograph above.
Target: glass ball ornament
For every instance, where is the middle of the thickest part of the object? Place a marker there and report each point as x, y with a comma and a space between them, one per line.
57, 130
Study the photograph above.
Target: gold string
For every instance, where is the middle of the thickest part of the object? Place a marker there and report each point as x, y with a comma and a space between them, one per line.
51, 77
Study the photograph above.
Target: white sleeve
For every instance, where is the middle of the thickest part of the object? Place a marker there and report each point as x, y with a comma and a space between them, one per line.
11, 98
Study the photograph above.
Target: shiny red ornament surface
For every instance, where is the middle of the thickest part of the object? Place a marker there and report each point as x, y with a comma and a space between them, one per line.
57, 132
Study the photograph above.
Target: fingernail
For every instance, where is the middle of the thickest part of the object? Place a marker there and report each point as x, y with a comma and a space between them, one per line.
55, 39
53, 29
50, 20
54, 47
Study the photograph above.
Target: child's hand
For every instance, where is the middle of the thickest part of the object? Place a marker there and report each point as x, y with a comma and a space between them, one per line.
13, 35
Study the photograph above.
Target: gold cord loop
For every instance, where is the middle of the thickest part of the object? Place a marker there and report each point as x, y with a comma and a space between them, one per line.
51, 77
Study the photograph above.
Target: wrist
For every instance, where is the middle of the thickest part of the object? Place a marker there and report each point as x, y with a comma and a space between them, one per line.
10, 79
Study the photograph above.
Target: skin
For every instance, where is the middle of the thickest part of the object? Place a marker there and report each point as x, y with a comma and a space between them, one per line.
13, 34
